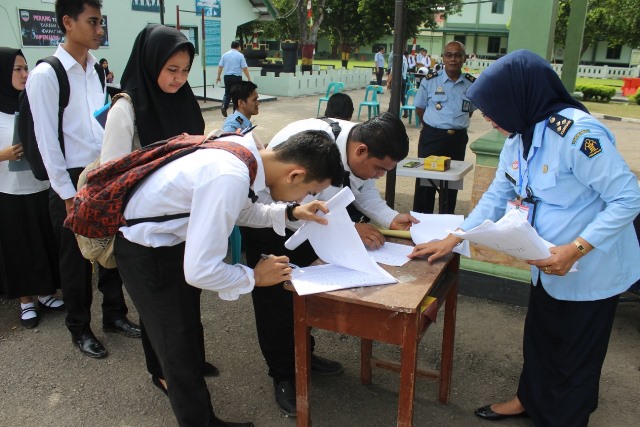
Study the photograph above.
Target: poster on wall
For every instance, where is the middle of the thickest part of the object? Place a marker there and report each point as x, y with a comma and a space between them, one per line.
40, 28
211, 8
146, 5
212, 42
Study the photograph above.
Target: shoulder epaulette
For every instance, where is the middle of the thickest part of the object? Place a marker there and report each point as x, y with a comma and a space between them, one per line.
430, 76
559, 124
239, 120
470, 77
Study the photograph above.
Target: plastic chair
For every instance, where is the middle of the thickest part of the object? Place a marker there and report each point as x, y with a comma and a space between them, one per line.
235, 242
371, 100
334, 87
409, 105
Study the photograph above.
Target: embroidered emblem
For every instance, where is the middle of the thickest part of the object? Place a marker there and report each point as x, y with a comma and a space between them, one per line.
514, 165
578, 135
470, 77
559, 124
591, 147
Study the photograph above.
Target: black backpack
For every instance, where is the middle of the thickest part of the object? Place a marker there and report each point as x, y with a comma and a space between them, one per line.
25, 119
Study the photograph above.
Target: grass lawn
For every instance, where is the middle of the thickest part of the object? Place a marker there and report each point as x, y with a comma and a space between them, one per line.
617, 109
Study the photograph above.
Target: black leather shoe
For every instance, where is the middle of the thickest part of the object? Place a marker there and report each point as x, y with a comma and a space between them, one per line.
124, 327
156, 382
89, 345
223, 110
285, 392
488, 414
325, 367
217, 422
210, 370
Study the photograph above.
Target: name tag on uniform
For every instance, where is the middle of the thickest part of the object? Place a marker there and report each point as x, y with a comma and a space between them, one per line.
525, 207
466, 106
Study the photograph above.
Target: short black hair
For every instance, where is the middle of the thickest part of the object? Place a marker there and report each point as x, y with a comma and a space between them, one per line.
339, 106
384, 136
235, 44
380, 48
73, 8
242, 91
316, 152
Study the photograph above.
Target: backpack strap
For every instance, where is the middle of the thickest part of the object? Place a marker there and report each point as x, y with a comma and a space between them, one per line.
335, 126
101, 75
65, 91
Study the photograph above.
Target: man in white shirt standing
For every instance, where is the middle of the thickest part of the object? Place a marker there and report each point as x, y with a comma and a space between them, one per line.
379, 65
81, 22
234, 64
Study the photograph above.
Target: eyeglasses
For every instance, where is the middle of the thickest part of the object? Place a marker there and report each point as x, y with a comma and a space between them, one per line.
450, 55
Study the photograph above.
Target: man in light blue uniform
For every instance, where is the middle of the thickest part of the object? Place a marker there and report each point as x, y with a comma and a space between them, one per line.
234, 65
245, 98
379, 63
446, 112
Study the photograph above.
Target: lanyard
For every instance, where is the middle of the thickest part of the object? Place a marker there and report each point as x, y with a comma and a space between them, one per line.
520, 173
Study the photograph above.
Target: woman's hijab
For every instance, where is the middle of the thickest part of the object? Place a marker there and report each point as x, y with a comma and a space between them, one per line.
8, 94
159, 115
518, 91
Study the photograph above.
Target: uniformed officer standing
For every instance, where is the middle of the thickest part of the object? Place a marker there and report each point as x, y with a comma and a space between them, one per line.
234, 64
446, 111
245, 97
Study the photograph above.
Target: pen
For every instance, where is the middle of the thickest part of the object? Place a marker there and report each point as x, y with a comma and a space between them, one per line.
265, 256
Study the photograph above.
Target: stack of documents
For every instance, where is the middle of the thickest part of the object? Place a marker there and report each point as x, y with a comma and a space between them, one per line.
437, 227
339, 245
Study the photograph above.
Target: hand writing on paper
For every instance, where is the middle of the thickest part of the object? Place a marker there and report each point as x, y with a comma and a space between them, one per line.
308, 211
560, 262
402, 222
272, 270
437, 248
370, 235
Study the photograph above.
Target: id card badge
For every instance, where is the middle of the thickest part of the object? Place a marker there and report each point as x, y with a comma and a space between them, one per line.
525, 207
466, 106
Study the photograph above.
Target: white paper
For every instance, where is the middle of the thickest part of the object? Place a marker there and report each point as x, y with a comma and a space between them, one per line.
394, 254
328, 277
437, 227
337, 244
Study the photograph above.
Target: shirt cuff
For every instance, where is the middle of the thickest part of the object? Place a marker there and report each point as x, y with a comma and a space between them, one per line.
234, 295
278, 216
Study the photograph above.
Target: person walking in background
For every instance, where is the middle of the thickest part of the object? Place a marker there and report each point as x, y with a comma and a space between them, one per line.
379, 65
445, 110
339, 106
245, 99
234, 64
80, 21
564, 165
28, 252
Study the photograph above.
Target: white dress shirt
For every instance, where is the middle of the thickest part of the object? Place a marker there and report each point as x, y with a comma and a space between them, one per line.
18, 182
120, 136
213, 186
82, 132
367, 196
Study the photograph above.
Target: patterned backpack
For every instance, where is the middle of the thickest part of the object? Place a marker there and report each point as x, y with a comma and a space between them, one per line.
99, 204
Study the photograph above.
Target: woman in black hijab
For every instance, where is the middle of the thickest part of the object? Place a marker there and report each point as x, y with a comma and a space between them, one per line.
561, 165
108, 74
28, 253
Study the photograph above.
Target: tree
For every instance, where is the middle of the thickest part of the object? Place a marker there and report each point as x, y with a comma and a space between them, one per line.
614, 21
309, 21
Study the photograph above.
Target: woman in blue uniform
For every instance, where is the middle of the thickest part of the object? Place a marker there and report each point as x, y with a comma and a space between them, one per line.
583, 198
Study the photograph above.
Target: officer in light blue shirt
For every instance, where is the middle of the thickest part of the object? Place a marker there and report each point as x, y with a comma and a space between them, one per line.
245, 98
379, 65
234, 64
445, 110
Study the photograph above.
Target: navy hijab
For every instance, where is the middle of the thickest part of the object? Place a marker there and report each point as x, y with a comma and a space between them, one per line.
518, 91
8, 94
159, 115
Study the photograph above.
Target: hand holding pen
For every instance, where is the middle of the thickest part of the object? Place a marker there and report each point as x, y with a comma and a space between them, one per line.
272, 270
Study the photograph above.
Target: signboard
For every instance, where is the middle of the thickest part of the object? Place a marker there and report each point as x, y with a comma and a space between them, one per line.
211, 8
40, 28
142, 6
212, 42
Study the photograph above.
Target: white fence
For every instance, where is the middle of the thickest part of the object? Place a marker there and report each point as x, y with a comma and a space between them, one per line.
599, 72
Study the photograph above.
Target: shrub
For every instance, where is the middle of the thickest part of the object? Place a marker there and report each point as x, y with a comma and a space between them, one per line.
596, 92
635, 99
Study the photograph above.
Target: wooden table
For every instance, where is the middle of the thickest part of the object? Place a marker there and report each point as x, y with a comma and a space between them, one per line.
449, 179
395, 314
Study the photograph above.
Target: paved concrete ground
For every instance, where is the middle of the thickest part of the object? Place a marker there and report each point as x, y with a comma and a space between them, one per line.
44, 381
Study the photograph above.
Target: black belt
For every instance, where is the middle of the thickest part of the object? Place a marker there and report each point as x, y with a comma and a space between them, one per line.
447, 131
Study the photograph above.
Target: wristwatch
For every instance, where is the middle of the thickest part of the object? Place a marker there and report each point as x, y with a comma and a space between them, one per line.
580, 248
289, 211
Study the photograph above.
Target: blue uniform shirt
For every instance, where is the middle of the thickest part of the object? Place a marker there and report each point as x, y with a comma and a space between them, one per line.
379, 60
439, 90
584, 189
233, 62
237, 120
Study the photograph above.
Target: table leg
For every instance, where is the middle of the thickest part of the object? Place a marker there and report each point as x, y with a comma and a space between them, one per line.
366, 348
303, 361
448, 334
443, 197
408, 365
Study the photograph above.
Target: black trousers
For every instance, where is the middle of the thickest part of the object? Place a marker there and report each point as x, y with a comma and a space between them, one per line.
273, 305
76, 271
564, 346
170, 311
229, 81
438, 142
379, 75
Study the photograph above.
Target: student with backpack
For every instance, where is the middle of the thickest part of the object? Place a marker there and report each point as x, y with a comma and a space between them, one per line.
80, 21
28, 253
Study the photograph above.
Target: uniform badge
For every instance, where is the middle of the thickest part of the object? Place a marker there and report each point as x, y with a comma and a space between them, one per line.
559, 124
438, 106
591, 147
239, 120
545, 169
439, 91
514, 165
578, 135
466, 106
